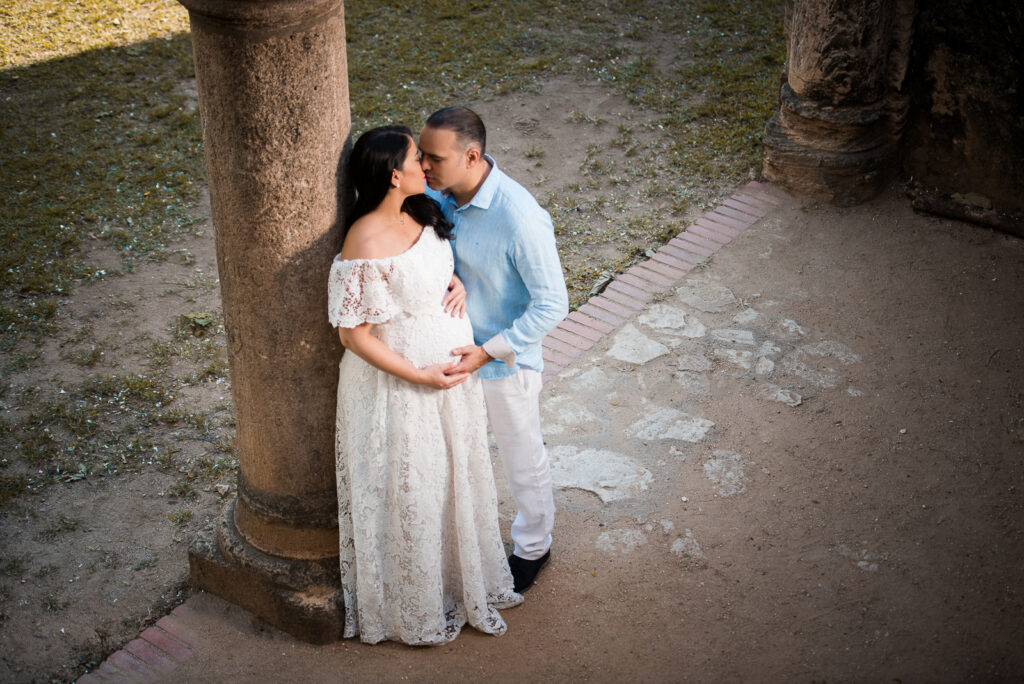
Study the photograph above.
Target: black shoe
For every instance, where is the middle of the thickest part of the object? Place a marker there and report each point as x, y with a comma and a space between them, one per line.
524, 572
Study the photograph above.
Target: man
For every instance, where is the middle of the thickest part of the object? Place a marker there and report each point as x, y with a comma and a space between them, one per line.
505, 255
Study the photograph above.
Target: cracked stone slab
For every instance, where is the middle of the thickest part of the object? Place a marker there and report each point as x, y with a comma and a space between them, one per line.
594, 379
565, 413
608, 474
664, 317
705, 296
776, 393
633, 346
764, 366
693, 362
621, 541
668, 423
687, 547
743, 359
693, 384
825, 379
726, 470
746, 317
830, 348
792, 327
734, 336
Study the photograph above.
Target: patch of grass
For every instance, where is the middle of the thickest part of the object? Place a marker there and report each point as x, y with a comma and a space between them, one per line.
87, 357
13, 567
111, 560
213, 370
46, 570
129, 389
21, 361
82, 348
182, 518
148, 561
182, 490
215, 468
52, 604
61, 526
196, 324
580, 117
11, 487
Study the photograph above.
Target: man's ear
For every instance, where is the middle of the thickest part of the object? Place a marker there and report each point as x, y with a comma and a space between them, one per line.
472, 156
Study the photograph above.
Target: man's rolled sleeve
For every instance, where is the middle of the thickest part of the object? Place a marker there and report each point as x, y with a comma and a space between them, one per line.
497, 348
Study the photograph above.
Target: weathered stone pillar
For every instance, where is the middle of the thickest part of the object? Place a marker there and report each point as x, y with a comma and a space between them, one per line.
273, 95
842, 107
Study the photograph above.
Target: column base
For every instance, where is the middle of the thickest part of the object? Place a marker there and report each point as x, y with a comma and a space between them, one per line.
841, 178
300, 597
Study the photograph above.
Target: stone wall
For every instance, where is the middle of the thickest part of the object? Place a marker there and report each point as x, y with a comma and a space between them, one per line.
965, 129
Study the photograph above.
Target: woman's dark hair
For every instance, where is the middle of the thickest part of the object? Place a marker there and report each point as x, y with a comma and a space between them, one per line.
375, 155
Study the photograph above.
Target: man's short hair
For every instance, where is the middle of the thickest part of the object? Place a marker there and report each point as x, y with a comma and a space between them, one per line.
464, 122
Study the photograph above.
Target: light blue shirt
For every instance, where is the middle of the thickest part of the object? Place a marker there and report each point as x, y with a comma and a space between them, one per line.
505, 254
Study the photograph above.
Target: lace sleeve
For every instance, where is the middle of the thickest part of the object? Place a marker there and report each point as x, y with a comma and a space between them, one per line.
358, 292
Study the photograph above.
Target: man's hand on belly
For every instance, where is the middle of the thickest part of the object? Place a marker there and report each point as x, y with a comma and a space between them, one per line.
473, 357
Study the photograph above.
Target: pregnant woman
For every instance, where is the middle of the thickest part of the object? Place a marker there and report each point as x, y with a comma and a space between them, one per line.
420, 546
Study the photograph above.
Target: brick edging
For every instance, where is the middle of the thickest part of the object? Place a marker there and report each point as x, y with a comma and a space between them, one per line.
157, 652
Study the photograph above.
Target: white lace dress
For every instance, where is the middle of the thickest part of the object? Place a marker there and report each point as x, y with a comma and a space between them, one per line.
420, 545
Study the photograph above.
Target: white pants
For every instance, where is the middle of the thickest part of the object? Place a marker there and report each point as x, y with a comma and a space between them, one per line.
513, 410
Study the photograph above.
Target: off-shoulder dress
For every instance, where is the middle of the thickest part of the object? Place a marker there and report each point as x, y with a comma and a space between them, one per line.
420, 545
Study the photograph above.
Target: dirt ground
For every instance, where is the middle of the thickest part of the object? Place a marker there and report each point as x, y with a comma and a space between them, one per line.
871, 533
87, 563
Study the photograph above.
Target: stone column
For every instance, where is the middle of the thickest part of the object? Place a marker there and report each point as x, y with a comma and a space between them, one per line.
842, 107
273, 96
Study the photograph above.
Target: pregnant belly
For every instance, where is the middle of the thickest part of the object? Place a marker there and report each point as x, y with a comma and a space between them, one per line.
426, 340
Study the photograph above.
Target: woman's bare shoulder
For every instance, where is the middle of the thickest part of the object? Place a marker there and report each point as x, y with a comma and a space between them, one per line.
373, 237
363, 239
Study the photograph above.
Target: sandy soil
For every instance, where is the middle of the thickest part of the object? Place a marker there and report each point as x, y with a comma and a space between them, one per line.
873, 532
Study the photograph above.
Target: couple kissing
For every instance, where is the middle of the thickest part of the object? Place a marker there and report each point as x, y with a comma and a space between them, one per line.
447, 281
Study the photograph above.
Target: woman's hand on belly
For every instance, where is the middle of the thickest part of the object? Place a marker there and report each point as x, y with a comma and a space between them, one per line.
376, 352
435, 376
